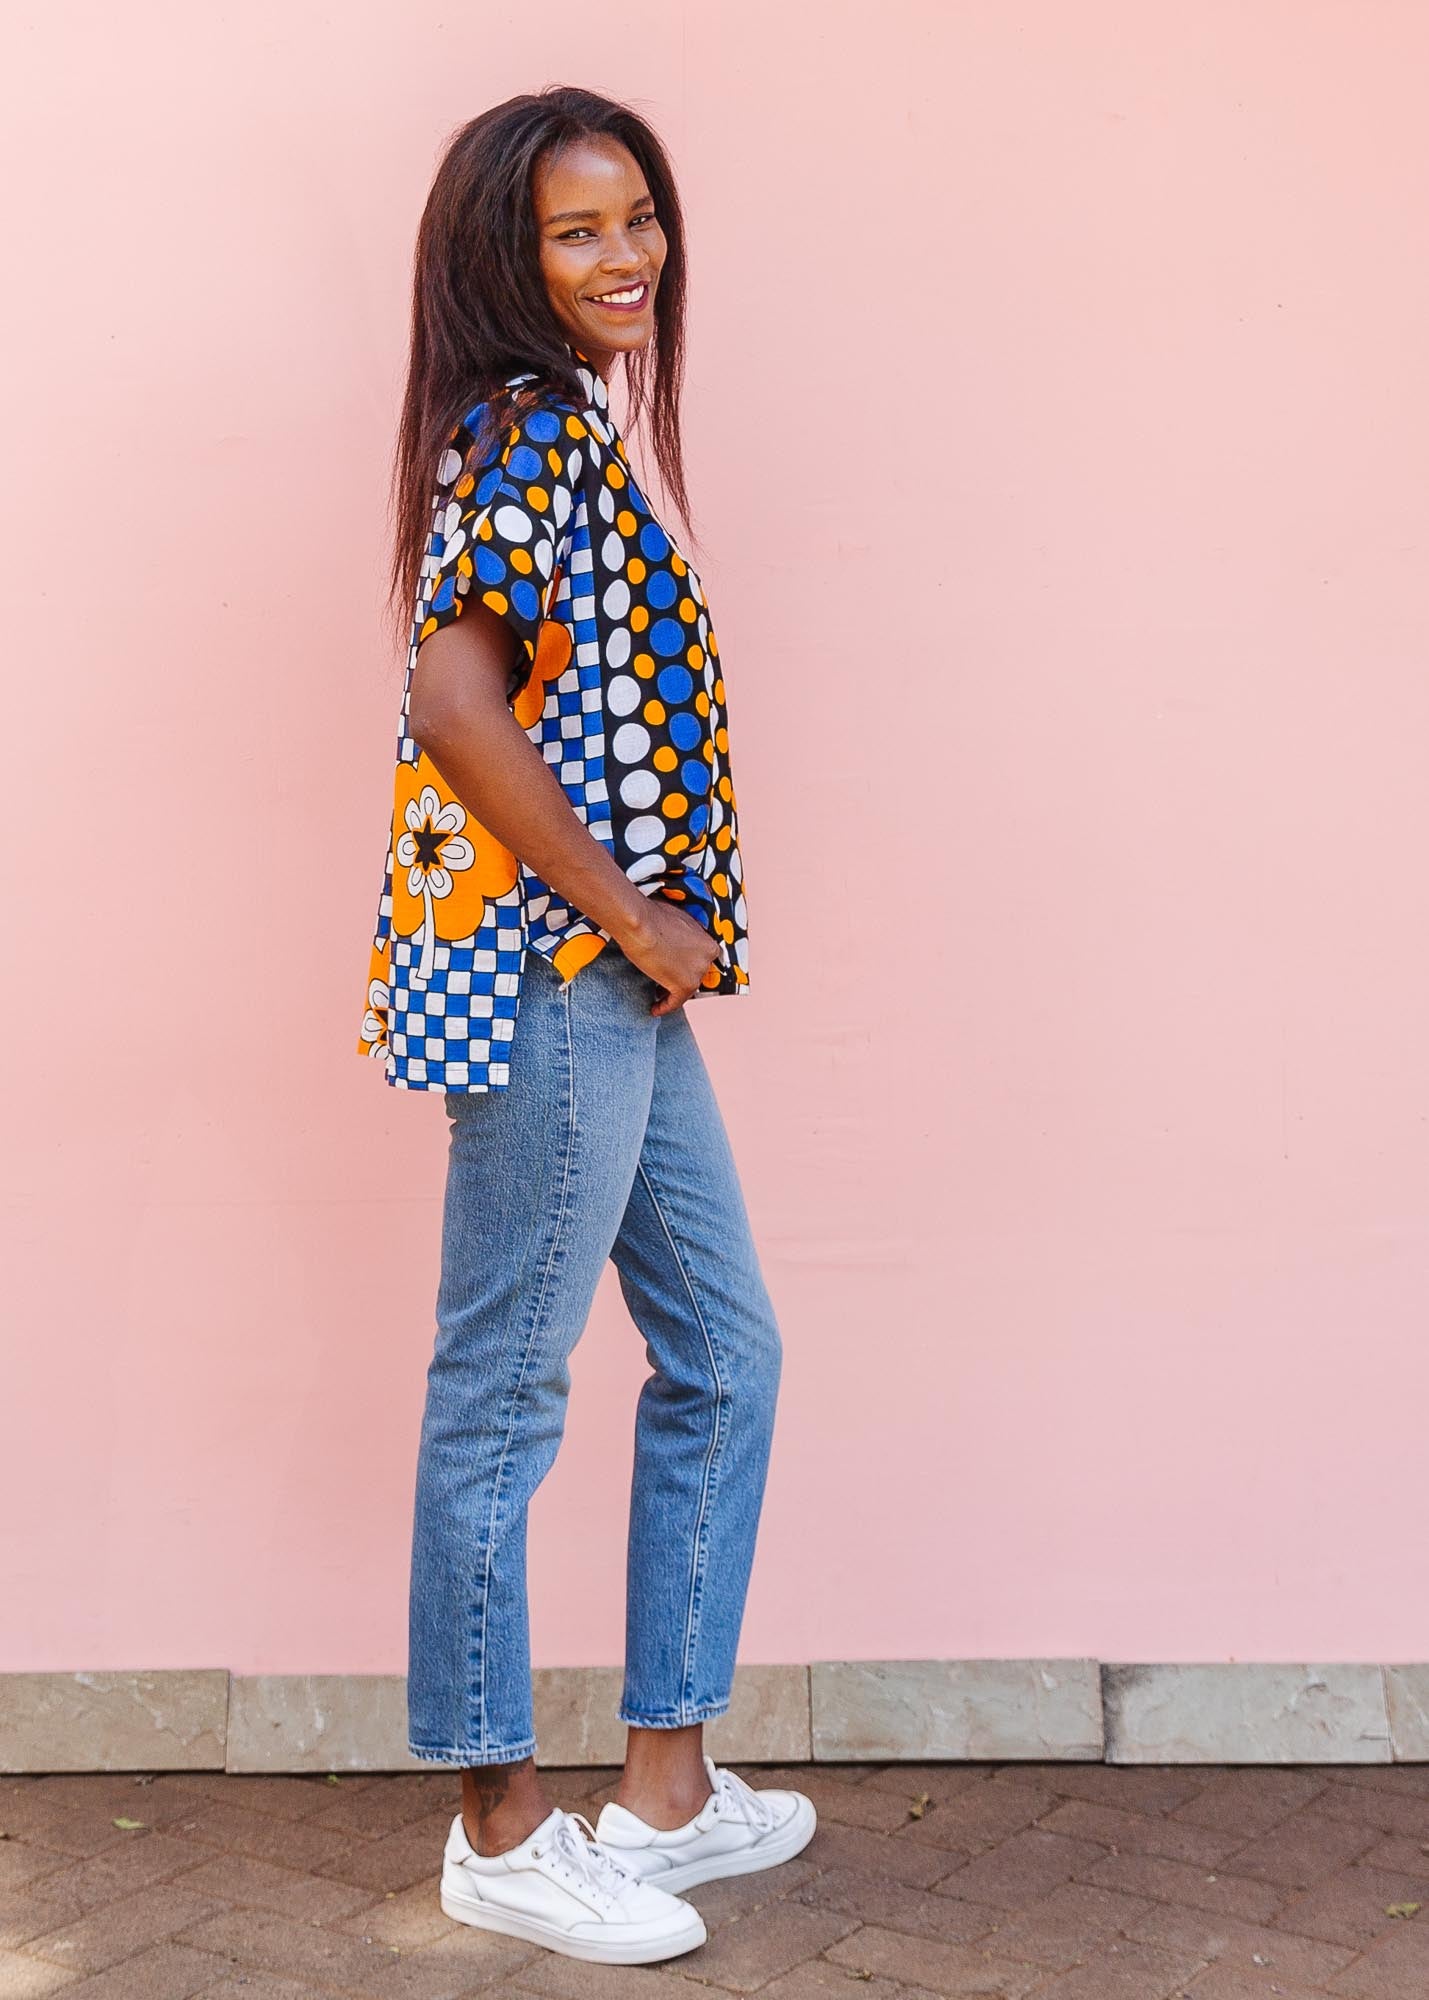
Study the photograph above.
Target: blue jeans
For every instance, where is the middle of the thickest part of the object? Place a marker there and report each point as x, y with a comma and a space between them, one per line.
607, 1143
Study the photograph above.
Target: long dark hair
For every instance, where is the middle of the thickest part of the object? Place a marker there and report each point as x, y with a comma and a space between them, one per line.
480, 310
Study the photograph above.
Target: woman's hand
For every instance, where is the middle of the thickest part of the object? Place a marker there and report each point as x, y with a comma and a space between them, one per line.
670, 947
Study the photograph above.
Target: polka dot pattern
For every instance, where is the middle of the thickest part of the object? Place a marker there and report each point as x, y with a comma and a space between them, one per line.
616, 679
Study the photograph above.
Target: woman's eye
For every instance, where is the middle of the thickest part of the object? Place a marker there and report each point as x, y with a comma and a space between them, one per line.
569, 235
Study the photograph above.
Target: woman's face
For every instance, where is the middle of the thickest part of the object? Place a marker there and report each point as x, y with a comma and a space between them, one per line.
601, 247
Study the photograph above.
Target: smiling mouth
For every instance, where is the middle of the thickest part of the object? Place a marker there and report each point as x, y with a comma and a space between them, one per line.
625, 300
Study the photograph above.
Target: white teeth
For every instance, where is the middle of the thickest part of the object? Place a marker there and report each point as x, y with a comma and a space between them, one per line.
626, 298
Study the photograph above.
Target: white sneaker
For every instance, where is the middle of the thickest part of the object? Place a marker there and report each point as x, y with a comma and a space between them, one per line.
734, 1832
562, 1890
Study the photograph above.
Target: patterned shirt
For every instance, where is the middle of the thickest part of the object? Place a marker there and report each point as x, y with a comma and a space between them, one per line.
617, 681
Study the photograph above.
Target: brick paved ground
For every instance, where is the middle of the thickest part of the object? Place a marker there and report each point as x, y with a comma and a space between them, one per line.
1028, 1881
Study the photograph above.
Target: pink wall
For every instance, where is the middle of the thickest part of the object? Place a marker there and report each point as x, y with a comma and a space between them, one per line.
1072, 587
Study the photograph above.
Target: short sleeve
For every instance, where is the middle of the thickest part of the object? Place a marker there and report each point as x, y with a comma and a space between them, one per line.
499, 535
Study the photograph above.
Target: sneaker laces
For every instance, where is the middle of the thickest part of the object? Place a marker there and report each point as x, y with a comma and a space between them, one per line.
594, 1864
736, 1798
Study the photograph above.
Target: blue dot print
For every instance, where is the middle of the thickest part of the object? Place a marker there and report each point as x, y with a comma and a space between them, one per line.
525, 598
525, 464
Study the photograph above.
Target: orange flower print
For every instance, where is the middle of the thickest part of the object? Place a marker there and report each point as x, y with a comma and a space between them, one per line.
374, 1021
446, 864
553, 655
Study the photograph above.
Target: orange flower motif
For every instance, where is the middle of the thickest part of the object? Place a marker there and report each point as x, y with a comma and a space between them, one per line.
446, 864
374, 1021
372, 1040
553, 656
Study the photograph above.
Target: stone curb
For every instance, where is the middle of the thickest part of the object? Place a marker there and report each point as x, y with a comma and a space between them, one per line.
1242, 1712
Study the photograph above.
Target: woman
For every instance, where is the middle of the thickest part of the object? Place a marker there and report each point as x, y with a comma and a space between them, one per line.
563, 876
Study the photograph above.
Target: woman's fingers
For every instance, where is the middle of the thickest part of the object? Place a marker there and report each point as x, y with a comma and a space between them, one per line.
671, 998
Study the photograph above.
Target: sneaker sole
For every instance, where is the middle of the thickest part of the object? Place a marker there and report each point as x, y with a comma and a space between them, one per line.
790, 1840
481, 1916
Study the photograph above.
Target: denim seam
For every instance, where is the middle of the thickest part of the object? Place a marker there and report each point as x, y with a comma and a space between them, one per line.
533, 1333
466, 1759
682, 1719
716, 1439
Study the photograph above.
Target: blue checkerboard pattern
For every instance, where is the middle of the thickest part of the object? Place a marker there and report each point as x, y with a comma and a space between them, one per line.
459, 1024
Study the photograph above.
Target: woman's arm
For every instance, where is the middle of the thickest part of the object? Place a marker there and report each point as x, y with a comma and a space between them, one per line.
460, 717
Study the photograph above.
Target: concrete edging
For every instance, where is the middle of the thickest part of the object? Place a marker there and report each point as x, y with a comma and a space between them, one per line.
837, 1711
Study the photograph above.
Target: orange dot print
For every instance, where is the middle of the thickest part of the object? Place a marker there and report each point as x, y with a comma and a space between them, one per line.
576, 952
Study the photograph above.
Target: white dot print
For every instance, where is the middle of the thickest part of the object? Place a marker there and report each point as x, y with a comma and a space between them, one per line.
643, 834
512, 523
639, 788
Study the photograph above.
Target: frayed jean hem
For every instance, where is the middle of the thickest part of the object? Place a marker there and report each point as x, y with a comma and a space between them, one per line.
472, 1759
